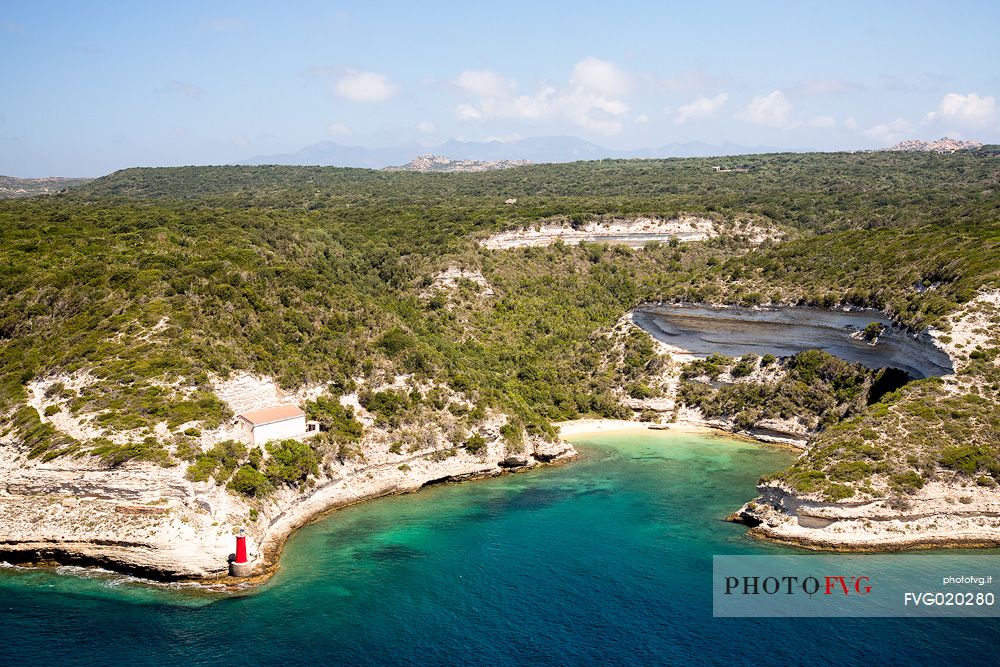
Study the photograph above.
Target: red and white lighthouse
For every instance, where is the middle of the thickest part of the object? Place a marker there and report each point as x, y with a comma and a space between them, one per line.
239, 565
241, 547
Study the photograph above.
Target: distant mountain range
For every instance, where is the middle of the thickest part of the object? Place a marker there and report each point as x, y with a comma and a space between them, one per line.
533, 149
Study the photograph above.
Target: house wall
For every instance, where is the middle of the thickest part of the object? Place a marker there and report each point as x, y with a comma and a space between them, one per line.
288, 428
246, 430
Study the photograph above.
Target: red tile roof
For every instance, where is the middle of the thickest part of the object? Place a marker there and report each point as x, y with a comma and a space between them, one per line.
278, 413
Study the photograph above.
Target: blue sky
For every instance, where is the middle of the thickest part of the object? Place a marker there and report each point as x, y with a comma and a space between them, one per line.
88, 88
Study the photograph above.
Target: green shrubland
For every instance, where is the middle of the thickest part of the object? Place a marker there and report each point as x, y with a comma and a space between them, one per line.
815, 387
153, 280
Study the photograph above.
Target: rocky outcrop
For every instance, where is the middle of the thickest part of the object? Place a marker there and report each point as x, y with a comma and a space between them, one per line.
450, 280
788, 330
440, 163
951, 510
942, 145
940, 514
632, 232
150, 521
138, 518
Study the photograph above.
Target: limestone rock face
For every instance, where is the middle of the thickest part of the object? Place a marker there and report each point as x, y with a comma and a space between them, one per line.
940, 514
633, 232
151, 521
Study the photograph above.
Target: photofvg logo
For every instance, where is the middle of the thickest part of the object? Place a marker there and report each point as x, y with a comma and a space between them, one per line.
789, 585
855, 585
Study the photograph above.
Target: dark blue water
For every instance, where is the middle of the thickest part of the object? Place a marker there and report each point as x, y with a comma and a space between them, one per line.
605, 561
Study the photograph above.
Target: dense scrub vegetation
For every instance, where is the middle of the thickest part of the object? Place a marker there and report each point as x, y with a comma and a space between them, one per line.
153, 280
923, 432
813, 386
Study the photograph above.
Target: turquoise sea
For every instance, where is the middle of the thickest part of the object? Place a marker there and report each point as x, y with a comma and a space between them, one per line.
605, 561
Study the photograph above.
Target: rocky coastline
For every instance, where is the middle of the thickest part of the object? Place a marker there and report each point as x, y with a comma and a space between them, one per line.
951, 512
108, 519
941, 515
153, 521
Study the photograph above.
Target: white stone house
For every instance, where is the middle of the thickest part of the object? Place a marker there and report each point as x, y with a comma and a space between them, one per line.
281, 422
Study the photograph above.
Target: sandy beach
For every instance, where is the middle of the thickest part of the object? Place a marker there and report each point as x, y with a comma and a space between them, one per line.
579, 428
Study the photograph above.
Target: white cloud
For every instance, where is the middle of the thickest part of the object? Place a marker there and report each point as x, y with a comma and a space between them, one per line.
772, 109
821, 121
468, 112
594, 112
425, 126
338, 130
484, 83
850, 123
971, 110
364, 87
702, 107
600, 76
642, 119
585, 102
891, 132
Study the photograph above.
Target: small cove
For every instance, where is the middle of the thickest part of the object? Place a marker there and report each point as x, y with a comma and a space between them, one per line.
605, 561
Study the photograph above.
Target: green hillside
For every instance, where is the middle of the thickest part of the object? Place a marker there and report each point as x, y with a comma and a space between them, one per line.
325, 275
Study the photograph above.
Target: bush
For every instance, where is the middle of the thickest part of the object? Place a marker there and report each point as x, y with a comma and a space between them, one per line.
250, 482
220, 461
835, 492
908, 482
965, 458
113, 455
712, 366
873, 330
386, 405
476, 443
335, 418
746, 366
641, 390
395, 341
290, 461
513, 436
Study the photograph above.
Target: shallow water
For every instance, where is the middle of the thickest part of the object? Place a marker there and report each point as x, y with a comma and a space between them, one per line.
790, 330
603, 561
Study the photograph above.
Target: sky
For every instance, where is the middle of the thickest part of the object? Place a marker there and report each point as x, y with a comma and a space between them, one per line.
88, 88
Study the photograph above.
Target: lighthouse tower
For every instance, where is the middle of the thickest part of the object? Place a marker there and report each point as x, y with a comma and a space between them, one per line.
240, 566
